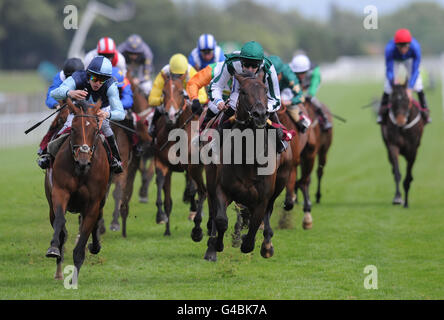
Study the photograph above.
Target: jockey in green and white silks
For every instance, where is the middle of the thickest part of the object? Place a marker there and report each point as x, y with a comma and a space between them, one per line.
310, 78
251, 58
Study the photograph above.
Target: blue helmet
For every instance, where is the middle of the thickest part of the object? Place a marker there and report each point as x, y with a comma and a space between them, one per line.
118, 76
101, 66
206, 42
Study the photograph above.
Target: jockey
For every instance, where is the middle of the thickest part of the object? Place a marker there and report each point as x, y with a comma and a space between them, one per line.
69, 67
203, 79
93, 84
206, 52
107, 47
139, 59
178, 66
404, 50
289, 82
124, 86
310, 78
251, 58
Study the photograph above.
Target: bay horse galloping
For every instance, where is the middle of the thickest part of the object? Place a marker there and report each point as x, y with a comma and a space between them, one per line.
318, 143
243, 183
176, 114
78, 182
402, 131
142, 109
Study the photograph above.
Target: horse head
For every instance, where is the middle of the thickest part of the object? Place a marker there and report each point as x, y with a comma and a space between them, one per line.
401, 105
173, 98
253, 100
84, 133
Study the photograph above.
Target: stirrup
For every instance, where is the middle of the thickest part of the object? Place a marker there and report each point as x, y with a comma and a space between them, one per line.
116, 166
44, 161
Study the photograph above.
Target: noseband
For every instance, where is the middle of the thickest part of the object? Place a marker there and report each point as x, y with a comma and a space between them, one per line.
85, 148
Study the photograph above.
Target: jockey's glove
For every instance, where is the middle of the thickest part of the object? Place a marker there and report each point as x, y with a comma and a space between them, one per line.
196, 106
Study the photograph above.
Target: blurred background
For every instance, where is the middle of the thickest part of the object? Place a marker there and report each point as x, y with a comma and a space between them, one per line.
34, 42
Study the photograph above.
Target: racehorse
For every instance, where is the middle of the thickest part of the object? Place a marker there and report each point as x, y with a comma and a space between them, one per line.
77, 182
318, 143
142, 109
176, 114
402, 133
297, 145
242, 182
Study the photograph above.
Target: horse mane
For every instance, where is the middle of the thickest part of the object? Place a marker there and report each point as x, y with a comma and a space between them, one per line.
83, 105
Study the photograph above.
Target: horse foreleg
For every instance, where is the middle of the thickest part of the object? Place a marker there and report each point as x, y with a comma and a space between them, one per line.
196, 174
211, 253
168, 202
89, 223
161, 170
59, 200
322, 159
128, 191
256, 218
146, 176
117, 195
408, 178
304, 183
95, 247
267, 249
393, 153
291, 189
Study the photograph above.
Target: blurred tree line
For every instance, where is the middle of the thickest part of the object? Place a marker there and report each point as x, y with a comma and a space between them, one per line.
32, 30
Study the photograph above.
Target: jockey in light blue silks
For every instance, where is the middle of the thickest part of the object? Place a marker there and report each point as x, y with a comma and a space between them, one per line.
91, 85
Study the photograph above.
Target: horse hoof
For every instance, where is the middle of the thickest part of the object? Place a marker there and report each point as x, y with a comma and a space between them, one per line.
114, 226
246, 247
53, 252
93, 249
58, 276
196, 234
161, 218
192, 215
267, 250
143, 199
397, 200
288, 206
307, 222
211, 256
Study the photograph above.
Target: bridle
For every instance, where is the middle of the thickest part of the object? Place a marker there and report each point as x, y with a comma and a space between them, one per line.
171, 101
407, 115
249, 114
76, 149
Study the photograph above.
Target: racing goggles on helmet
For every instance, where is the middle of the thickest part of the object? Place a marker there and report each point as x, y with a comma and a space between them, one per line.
249, 63
97, 78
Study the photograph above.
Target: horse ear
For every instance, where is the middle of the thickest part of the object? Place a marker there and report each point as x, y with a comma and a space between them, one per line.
261, 75
72, 108
98, 105
239, 78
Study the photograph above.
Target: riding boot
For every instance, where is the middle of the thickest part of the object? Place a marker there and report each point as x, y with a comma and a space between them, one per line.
325, 123
44, 161
424, 109
152, 128
116, 165
383, 109
280, 144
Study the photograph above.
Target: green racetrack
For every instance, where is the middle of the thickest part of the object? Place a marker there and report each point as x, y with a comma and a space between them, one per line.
354, 226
